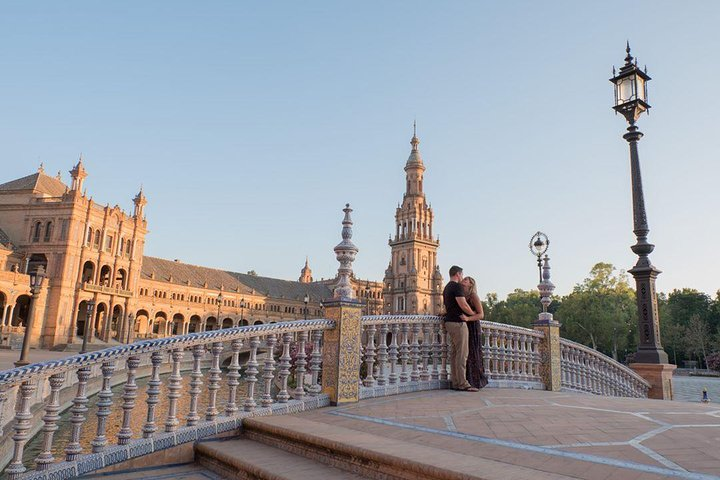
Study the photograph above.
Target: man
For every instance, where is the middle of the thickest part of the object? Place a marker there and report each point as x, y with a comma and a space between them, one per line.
456, 307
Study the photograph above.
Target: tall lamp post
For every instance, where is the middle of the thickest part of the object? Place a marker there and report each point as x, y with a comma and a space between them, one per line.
219, 300
36, 280
131, 326
305, 301
86, 327
539, 243
367, 298
631, 101
242, 309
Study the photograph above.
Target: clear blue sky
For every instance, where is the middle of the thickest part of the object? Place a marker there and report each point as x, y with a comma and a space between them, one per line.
251, 124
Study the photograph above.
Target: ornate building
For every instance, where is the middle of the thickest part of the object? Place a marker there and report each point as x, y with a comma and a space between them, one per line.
413, 282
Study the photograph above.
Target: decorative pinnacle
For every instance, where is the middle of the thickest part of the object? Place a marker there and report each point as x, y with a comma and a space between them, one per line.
415, 141
345, 253
546, 287
629, 58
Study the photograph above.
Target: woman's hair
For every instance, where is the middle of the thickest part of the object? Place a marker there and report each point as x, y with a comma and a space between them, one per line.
473, 286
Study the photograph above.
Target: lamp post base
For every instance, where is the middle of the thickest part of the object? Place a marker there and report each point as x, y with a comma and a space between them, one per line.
21, 363
659, 375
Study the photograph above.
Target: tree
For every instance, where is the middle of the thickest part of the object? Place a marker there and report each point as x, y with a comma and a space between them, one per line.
697, 336
600, 311
252, 272
520, 308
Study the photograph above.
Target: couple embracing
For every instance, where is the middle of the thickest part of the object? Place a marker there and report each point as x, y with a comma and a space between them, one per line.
463, 309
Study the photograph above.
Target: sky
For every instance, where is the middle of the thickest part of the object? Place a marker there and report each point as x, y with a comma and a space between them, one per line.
251, 124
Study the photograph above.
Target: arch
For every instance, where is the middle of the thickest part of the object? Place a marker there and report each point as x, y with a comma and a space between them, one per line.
36, 261
105, 275
20, 312
211, 323
115, 321
227, 322
177, 327
244, 323
142, 323
88, 272
259, 322
195, 324
101, 312
159, 323
3, 305
121, 279
81, 319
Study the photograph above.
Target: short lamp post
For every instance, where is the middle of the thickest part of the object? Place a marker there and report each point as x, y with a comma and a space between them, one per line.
131, 326
88, 323
367, 298
305, 301
242, 310
630, 84
36, 280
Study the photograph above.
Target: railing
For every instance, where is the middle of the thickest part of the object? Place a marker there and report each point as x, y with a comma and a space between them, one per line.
285, 386
587, 370
91, 287
403, 353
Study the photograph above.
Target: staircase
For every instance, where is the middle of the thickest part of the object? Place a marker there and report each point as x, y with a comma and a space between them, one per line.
293, 448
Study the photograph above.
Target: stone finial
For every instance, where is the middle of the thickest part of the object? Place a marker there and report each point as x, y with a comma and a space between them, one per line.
345, 253
546, 288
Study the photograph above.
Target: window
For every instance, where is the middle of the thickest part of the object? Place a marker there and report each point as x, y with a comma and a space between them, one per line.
48, 231
88, 240
64, 228
97, 238
127, 248
108, 243
36, 232
401, 304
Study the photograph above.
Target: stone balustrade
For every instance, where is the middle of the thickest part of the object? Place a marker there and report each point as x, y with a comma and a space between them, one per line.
273, 382
92, 287
587, 370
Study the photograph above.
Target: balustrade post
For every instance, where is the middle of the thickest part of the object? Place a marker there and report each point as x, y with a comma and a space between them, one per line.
444, 354
251, 371
315, 364
233, 377
415, 353
426, 350
174, 388
268, 371
45, 459
382, 355
283, 395
393, 354
214, 382
369, 380
129, 395
103, 407
153, 392
300, 364
78, 410
193, 417
341, 351
404, 353
22, 426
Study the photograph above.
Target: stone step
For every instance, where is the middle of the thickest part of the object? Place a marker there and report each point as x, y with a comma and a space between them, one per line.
242, 458
188, 471
378, 457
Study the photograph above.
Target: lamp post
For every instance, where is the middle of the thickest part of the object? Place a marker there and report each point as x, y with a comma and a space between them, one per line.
131, 325
631, 101
367, 298
242, 309
305, 301
219, 300
86, 327
36, 280
539, 243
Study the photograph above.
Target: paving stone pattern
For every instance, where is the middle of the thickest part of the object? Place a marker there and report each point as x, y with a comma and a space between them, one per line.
689, 389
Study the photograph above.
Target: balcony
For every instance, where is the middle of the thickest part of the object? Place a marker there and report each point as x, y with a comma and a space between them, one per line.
91, 287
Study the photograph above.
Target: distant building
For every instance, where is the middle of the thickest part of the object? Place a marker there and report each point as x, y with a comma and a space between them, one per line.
413, 282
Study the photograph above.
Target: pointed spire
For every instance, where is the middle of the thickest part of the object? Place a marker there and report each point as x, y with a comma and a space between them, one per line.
41, 168
415, 141
345, 253
629, 58
414, 160
59, 175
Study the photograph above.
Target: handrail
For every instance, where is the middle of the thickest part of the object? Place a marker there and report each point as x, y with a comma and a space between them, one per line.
590, 351
14, 376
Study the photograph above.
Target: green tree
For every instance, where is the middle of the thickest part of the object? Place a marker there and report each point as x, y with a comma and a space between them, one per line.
600, 311
520, 308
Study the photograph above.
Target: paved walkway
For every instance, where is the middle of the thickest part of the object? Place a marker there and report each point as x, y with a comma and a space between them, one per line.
581, 436
9, 357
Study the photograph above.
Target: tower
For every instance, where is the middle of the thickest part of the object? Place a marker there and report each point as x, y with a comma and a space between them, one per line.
306, 273
140, 201
78, 174
413, 282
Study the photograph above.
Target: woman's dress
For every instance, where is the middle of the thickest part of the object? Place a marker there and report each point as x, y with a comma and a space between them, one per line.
475, 372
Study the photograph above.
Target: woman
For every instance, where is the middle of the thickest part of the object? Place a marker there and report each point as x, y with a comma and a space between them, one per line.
475, 372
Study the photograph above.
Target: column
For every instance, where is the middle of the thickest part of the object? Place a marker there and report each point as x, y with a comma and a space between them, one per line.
341, 352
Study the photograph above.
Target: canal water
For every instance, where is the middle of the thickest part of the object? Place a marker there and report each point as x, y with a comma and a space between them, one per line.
138, 416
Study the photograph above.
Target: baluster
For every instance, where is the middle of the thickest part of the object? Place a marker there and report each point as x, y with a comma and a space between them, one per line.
45, 459
315, 362
251, 371
233, 378
268, 371
369, 380
103, 407
3, 399
283, 396
524, 357
300, 364
174, 388
404, 353
426, 348
436, 352
214, 382
196, 376
444, 354
22, 426
415, 353
393, 354
515, 355
78, 410
487, 353
153, 393
382, 355
492, 352
129, 395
